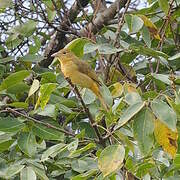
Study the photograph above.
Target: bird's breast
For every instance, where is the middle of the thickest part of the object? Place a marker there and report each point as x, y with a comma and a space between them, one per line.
68, 68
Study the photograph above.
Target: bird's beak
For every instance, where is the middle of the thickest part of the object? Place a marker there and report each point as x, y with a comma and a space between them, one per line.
55, 54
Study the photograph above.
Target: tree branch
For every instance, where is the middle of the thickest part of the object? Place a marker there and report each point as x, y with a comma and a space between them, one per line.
102, 19
13, 111
39, 122
86, 110
59, 40
163, 31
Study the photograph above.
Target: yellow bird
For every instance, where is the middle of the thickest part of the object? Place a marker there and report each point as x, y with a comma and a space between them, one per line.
79, 72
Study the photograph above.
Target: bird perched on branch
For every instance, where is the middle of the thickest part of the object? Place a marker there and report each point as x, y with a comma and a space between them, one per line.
79, 72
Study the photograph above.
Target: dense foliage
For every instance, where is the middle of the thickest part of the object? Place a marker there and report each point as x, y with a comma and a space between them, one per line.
50, 129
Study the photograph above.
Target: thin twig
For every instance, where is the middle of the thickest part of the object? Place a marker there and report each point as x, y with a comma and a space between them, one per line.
120, 24
92, 122
39, 122
50, 24
14, 111
163, 30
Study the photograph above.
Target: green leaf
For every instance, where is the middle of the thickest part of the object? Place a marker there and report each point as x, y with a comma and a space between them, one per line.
27, 144
137, 24
152, 7
50, 9
45, 132
162, 77
2, 71
163, 61
19, 105
5, 145
102, 48
13, 41
48, 77
143, 127
134, 23
84, 164
11, 170
164, 5
89, 131
80, 135
18, 33
34, 87
144, 168
28, 174
90, 47
132, 98
9, 124
111, 159
108, 49
84, 149
177, 161
45, 93
175, 177
164, 113
56, 98
146, 36
52, 151
31, 58
73, 145
129, 113
49, 110
63, 108
7, 59
77, 46
148, 51
1, 48
40, 172
161, 156
88, 96
125, 139
33, 49
79, 166
106, 94
176, 56
27, 28
14, 78
85, 176
18, 88
128, 20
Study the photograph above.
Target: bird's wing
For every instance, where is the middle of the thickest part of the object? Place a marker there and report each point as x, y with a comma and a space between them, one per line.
85, 68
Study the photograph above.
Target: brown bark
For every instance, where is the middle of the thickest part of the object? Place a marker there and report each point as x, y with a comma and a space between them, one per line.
59, 40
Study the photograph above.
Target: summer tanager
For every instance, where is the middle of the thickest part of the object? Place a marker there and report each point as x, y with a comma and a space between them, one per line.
79, 72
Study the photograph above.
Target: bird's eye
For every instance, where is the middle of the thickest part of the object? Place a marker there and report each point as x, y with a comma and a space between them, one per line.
64, 52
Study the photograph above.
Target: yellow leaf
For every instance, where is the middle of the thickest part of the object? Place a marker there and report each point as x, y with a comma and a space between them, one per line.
151, 26
117, 90
166, 138
130, 87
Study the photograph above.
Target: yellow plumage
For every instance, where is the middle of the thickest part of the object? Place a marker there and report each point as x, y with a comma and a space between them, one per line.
79, 72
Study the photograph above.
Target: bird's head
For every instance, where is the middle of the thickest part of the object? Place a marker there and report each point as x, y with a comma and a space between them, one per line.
63, 55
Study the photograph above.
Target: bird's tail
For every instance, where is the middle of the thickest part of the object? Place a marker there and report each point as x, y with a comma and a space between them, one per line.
96, 90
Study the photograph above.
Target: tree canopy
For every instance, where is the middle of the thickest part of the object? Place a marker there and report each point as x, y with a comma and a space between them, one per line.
52, 129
